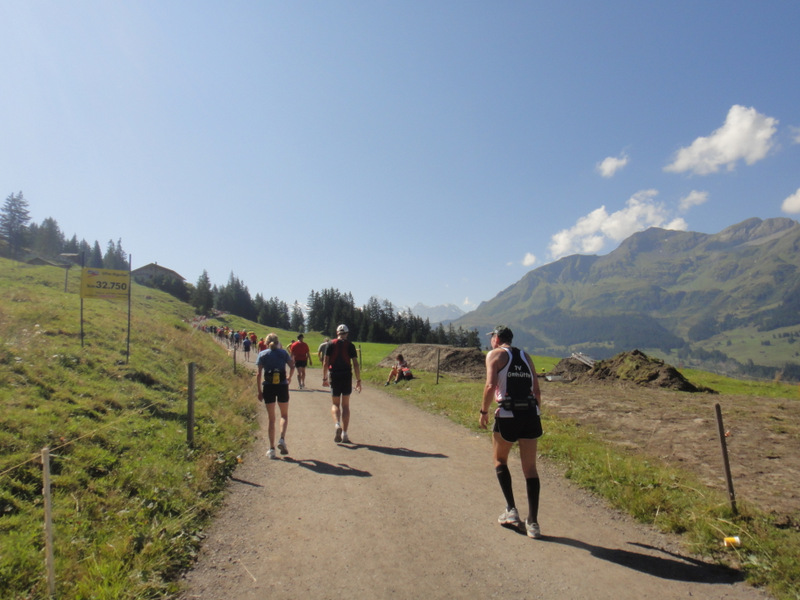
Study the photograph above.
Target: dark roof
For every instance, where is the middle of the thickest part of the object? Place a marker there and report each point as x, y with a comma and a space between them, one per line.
152, 269
38, 260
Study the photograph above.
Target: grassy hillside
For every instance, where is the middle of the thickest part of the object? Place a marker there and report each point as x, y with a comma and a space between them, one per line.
710, 299
129, 495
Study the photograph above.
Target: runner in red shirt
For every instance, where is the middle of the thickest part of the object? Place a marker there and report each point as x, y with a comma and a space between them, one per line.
299, 351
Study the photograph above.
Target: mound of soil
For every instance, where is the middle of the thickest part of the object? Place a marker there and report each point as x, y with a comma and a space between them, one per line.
464, 362
638, 368
570, 369
634, 367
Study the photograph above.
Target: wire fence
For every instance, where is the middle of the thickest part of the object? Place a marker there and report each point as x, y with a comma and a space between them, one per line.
43, 457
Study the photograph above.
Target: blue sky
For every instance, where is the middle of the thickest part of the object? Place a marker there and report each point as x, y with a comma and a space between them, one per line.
416, 151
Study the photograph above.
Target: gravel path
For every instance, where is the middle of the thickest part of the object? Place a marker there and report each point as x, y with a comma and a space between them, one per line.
409, 510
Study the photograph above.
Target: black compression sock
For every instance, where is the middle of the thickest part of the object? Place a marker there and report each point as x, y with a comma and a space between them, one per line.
534, 486
504, 477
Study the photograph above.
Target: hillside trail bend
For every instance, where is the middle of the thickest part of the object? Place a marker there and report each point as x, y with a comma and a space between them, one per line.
409, 510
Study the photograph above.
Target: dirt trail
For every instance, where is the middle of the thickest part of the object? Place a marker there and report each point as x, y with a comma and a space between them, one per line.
409, 511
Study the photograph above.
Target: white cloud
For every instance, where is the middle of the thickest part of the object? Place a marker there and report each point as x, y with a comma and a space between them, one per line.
466, 303
610, 165
792, 203
746, 135
591, 232
694, 198
529, 260
677, 224
795, 134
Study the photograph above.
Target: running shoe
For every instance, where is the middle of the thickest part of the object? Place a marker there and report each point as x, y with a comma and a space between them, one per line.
345, 438
510, 518
533, 530
271, 453
338, 437
282, 446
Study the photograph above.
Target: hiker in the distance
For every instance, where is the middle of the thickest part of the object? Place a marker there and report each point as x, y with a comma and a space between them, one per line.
341, 359
302, 356
400, 371
273, 387
512, 389
321, 350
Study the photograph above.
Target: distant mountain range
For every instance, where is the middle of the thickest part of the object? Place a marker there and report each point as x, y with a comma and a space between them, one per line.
731, 297
443, 313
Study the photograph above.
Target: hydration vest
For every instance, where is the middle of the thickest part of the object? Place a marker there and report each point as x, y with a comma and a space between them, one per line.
339, 361
519, 383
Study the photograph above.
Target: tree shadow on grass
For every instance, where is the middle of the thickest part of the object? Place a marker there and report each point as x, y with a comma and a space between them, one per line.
675, 566
324, 468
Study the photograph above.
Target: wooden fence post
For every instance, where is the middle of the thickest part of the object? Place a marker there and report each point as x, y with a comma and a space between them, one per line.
190, 408
48, 522
725, 461
438, 353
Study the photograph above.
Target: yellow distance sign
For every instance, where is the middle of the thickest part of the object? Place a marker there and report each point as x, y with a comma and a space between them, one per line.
109, 284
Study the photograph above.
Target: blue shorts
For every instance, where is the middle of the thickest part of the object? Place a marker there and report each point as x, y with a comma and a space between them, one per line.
524, 425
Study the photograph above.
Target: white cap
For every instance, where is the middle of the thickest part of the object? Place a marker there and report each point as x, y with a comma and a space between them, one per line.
342, 329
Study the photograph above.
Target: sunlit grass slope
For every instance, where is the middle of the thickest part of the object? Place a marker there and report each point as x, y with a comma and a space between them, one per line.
129, 494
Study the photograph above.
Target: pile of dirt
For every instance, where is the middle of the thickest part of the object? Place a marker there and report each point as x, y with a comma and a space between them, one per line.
570, 369
634, 367
464, 362
638, 368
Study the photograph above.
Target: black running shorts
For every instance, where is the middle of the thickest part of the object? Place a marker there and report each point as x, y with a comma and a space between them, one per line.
524, 425
275, 392
341, 383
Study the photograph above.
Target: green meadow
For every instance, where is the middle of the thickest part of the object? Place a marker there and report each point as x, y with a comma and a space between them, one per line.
131, 496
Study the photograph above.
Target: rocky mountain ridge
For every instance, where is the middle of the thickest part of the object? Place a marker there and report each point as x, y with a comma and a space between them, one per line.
675, 292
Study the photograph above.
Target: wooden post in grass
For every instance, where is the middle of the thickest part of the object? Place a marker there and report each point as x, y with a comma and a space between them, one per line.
234, 360
725, 461
190, 409
48, 523
438, 353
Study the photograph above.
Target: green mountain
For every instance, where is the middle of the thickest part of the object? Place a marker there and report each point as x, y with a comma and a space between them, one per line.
728, 298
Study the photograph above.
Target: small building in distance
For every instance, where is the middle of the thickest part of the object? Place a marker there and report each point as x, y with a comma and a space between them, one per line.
39, 261
148, 273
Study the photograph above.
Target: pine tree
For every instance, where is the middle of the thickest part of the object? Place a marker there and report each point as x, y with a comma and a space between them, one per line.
14, 219
115, 257
297, 321
48, 239
203, 299
235, 298
95, 258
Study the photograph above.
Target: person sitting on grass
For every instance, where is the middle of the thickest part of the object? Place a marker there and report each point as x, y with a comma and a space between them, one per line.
400, 371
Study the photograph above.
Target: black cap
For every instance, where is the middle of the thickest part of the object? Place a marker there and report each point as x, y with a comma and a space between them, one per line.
502, 332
